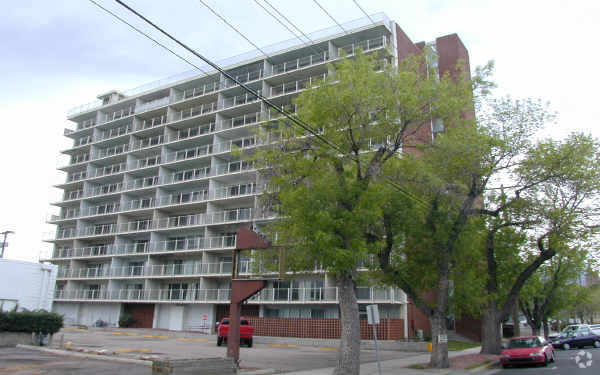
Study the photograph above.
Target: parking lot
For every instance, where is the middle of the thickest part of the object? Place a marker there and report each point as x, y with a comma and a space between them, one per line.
178, 345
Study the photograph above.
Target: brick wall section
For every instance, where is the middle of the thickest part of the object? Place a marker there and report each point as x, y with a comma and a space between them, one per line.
469, 327
388, 329
450, 50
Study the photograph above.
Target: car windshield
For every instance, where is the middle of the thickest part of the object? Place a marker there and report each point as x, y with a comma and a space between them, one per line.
523, 343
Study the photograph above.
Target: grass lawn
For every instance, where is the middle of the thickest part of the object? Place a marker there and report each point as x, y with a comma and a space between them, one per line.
459, 345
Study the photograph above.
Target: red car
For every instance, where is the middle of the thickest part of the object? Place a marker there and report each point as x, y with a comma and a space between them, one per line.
246, 331
527, 350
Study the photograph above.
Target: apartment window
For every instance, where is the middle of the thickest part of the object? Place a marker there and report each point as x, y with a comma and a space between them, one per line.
93, 291
136, 268
177, 291
176, 243
178, 266
317, 313
140, 246
142, 224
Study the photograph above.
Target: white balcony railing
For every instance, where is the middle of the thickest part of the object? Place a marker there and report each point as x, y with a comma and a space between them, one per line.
152, 104
240, 99
295, 86
245, 77
277, 295
195, 111
365, 45
186, 244
197, 91
300, 63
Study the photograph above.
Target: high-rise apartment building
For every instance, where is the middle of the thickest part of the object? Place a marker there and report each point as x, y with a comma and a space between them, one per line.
155, 193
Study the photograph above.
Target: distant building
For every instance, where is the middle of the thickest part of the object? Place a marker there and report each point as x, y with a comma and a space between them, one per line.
154, 192
26, 285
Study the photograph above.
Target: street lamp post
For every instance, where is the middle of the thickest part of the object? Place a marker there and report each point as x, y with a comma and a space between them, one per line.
5, 233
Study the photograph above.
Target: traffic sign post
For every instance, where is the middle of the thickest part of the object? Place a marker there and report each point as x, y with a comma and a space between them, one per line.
373, 319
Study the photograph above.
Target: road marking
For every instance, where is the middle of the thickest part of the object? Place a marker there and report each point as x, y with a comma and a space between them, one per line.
135, 351
283, 346
329, 348
192, 340
155, 337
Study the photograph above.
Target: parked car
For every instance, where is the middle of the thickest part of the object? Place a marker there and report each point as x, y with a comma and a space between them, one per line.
246, 331
527, 350
578, 339
571, 329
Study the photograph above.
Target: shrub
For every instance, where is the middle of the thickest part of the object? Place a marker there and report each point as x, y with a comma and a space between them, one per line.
126, 320
30, 321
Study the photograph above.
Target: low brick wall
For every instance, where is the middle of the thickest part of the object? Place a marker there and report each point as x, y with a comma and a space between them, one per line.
388, 329
205, 366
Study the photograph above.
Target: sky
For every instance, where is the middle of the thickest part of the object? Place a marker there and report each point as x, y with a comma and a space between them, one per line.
59, 54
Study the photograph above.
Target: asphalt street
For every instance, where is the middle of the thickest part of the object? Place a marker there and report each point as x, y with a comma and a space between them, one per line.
568, 362
17, 361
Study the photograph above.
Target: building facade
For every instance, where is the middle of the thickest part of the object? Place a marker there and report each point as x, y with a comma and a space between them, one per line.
26, 285
155, 191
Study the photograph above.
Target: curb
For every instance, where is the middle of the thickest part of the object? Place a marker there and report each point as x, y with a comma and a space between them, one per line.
88, 356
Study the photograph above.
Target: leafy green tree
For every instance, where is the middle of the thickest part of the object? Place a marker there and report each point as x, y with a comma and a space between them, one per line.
330, 189
544, 293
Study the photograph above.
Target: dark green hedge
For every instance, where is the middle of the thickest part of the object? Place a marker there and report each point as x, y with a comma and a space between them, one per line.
30, 321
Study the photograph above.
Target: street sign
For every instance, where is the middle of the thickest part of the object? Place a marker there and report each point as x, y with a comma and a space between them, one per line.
442, 339
204, 317
372, 314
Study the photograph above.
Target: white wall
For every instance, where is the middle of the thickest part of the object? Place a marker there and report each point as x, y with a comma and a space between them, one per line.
69, 311
192, 318
89, 313
30, 284
170, 317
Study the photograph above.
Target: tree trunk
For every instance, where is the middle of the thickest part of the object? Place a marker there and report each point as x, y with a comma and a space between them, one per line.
491, 337
349, 352
535, 329
546, 329
439, 353
516, 320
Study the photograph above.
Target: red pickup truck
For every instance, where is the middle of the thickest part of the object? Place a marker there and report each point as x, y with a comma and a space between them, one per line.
246, 331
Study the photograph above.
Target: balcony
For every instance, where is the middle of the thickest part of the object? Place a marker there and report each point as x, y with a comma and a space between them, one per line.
195, 111
270, 295
299, 63
86, 124
194, 132
150, 123
161, 102
78, 176
148, 142
111, 151
108, 170
115, 132
244, 78
364, 45
119, 114
189, 153
188, 244
197, 91
251, 118
240, 99
295, 86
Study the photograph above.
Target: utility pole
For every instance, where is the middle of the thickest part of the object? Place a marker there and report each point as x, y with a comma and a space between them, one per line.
4, 244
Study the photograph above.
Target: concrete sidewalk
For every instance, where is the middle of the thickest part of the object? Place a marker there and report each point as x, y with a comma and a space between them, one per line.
399, 366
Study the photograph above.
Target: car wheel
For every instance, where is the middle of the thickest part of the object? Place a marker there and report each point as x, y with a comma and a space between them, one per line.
566, 346
249, 343
219, 341
596, 344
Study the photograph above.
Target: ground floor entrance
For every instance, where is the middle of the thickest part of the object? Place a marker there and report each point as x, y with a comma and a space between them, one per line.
142, 313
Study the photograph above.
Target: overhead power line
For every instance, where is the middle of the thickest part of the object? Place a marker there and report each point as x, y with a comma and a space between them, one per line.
286, 26
288, 21
362, 10
234, 29
289, 116
330, 16
148, 36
